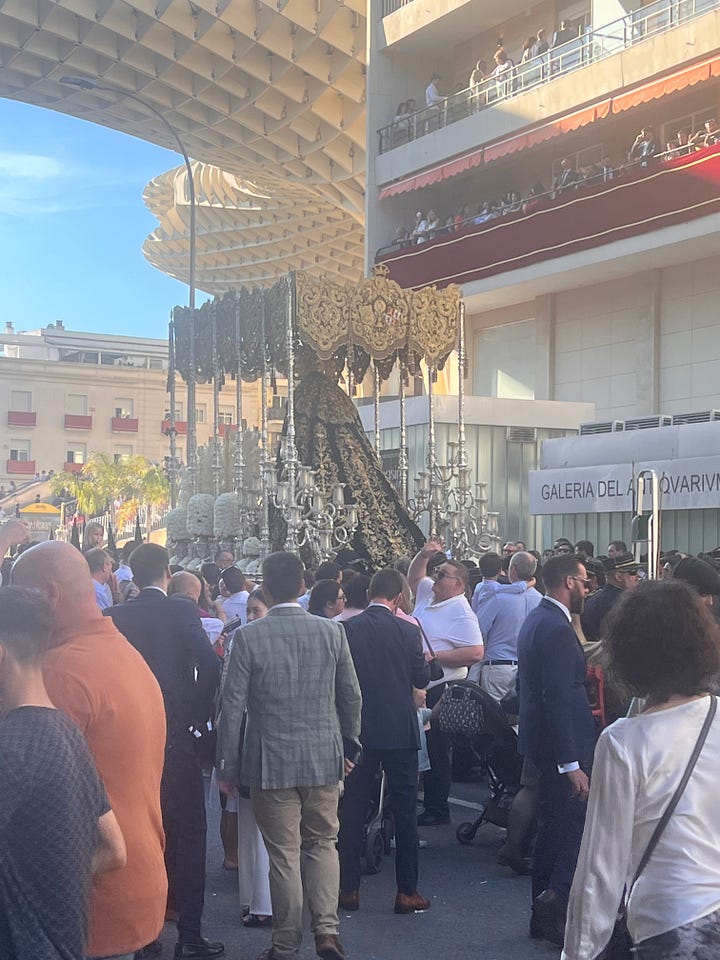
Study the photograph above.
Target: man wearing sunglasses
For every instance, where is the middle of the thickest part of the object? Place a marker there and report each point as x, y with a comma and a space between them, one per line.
450, 625
556, 738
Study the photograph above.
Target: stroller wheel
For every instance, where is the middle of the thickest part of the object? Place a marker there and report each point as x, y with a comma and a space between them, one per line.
465, 833
374, 852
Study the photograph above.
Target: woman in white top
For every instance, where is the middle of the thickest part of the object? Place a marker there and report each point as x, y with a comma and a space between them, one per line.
662, 644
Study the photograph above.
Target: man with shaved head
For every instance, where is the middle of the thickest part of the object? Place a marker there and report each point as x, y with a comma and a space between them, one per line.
184, 584
95, 676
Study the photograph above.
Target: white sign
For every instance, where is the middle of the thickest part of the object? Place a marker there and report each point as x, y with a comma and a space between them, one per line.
692, 484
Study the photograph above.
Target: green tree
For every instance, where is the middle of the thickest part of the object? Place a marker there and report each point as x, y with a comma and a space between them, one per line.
103, 480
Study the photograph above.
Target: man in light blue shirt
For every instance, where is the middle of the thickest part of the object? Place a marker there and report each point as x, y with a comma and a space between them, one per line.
501, 612
101, 572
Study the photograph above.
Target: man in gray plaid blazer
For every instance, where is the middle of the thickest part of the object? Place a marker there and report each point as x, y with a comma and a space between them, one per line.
294, 675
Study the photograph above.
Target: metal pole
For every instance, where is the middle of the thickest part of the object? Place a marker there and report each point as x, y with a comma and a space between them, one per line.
462, 465
265, 507
376, 404
87, 84
216, 464
291, 459
172, 429
239, 463
404, 459
431, 457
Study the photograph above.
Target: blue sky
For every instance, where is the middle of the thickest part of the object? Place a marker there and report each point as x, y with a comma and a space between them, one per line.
72, 224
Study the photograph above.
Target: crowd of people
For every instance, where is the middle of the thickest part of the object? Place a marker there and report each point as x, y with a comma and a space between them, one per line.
569, 177
302, 688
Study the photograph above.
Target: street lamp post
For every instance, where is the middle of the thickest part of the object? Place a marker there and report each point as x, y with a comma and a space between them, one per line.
84, 84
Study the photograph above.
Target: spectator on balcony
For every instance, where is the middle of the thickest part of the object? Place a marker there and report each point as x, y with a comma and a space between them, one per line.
644, 146
680, 145
527, 50
432, 225
462, 217
401, 122
608, 171
566, 178
475, 83
708, 136
535, 198
432, 96
563, 35
487, 211
541, 45
434, 102
502, 71
419, 231
512, 203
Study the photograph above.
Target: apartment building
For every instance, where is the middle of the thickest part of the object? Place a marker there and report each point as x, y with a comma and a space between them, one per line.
605, 292
65, 395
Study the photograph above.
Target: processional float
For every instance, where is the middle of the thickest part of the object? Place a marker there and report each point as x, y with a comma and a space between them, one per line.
323, 489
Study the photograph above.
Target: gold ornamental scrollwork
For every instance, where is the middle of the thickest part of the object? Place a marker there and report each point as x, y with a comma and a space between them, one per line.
323, 314
380, 316
435, 320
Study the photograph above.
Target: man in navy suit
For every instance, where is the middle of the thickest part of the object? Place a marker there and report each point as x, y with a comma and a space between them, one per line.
556, 738
388, 657
170, 637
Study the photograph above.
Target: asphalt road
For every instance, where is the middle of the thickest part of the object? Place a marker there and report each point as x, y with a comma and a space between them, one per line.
479, 909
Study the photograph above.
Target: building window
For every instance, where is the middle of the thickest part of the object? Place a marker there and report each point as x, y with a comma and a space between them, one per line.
505, 361
155, 363
77, 404
178, 412
689, 123
21, 401
226, 415
20, 450
124, 408
122, 453
201, 413
78, 454
589, 157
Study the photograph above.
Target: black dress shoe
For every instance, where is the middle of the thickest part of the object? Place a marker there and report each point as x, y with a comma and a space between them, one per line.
200, 949
429, 819
549, 912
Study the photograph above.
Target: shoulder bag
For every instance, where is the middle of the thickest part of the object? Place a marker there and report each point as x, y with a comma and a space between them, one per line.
436, 669
621, 946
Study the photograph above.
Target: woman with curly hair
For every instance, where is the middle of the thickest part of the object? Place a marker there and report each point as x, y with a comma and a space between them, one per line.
662, 644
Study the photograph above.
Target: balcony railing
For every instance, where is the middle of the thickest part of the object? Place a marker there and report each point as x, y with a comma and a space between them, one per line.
180, 427
592, 46
24, 467
76, 421
72, 467
647, 195
21, 418
124, 425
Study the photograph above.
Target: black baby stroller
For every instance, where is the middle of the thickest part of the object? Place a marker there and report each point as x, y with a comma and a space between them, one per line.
378, 828
477, 721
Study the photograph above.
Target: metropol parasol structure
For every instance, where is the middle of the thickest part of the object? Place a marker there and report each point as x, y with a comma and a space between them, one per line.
269, 101
268, 98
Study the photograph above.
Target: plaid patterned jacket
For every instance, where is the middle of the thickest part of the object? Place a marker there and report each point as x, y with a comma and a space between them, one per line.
294, 675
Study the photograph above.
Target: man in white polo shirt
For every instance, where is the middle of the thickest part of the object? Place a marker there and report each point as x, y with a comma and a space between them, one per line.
452, 628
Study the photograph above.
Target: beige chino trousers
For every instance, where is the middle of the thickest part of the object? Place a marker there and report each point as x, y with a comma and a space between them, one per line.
300, 828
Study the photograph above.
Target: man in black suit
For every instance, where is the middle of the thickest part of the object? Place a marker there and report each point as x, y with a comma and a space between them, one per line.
556, 738
170, 637
389, 662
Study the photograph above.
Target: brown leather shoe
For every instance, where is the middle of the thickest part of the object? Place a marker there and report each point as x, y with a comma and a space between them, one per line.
411, 903
349, 900
328, 947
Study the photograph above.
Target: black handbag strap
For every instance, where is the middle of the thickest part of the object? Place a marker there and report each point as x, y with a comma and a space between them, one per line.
670, 809
425, 639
